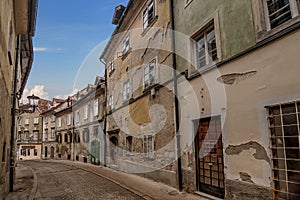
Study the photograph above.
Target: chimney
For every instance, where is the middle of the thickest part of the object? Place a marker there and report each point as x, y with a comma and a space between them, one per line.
118, 14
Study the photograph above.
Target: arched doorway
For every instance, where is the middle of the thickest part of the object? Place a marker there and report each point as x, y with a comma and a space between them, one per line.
113, 149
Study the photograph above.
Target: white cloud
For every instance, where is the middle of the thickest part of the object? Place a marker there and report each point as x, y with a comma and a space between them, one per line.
40, 49
37, 90
67, 95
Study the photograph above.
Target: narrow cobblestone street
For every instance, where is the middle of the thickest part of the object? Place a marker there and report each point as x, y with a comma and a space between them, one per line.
59, 181
62, 179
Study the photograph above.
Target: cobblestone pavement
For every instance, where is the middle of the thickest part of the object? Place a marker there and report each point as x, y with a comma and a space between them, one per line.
59, 181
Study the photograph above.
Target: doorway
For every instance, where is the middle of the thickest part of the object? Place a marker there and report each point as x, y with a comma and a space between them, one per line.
52, 152
113, 149
209, 157
46, 151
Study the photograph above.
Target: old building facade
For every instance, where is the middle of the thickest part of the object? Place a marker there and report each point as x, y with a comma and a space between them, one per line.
239, 97
88, 116
17, 29
30, 132
140, 127
49, 135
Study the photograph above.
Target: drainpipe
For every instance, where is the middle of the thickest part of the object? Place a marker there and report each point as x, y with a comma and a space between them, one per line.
13, 118
177, 121
104, 109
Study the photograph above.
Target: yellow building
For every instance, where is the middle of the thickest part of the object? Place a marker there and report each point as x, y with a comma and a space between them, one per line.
17, 28
140, 103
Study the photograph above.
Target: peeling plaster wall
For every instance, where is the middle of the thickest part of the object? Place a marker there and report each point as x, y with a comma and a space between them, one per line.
247, 154
143, 113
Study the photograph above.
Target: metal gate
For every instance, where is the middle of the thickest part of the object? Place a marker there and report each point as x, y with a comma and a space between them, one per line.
209, 157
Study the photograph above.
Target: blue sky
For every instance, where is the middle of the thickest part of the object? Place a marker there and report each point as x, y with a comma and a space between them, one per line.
66, 33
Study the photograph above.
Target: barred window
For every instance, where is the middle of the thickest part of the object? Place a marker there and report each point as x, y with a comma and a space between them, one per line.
284, 126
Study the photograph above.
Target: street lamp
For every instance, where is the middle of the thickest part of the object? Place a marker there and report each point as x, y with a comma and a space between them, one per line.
33, 101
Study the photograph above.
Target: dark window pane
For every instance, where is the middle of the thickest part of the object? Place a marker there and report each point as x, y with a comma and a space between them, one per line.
275, 121
279, 12
291, 141
280, 185
289, 119
294, 177
288, 108
274, 110
276, 131
293, 165
295, 189
291, 131
292, 153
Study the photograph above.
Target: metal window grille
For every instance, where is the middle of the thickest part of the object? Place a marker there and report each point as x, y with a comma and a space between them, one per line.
284, 124
279, 12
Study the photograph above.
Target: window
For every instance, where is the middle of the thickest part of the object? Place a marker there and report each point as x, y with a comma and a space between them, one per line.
35, 135
69, 119
36, 120
28, 152
26, 134
35, 152
66, 137
86, 111
52, 118
148, 146
52, 133
77, 116
46, 134
59, 122
129, 146
111, 66
27, 121
70, 137
77, 137
149, 74
280, 11
111, 102
126, 44
23, 152
126, 90
206, 47
148, 15
284, 123
96, 107
46, 120
96, 131
86, 135
59, 138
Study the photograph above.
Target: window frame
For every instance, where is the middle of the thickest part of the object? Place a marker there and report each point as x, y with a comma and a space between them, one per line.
86, 112
111, 67
27, 121
126, 90
59, 122
111, 102
294, 10
126, 45
52, 133
35, 135
149, 149
146, 11
212, 20
96, 107
147, 67
69, 119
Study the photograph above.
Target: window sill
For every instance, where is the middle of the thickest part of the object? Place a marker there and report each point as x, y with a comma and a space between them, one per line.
149, 88
125, 54
111, 72
198, 71
268, 33
150, 25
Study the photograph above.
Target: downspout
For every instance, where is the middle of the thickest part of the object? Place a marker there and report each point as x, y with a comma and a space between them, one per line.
104, 110
13, 118
177, 120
